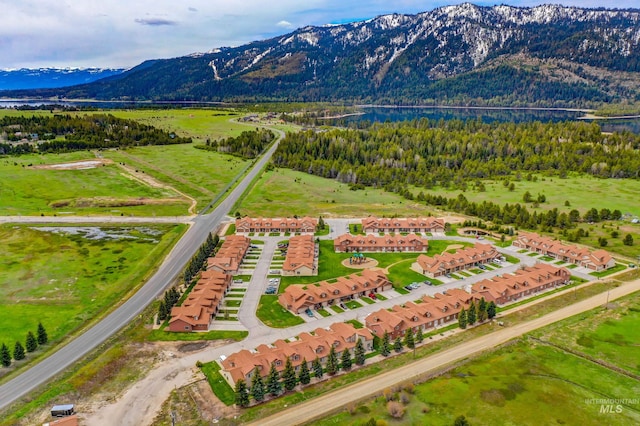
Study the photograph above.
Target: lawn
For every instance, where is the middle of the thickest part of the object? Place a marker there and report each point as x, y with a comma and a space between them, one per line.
219, 385
274, 315
272, 197
106, 190
66, 280
169, 336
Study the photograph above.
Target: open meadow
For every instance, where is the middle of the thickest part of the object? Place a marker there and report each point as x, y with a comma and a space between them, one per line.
284, 192
583, 192
30, 186
66, 276
530, 382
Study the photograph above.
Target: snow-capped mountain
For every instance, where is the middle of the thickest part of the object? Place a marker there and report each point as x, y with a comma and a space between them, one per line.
465, 53
29, 78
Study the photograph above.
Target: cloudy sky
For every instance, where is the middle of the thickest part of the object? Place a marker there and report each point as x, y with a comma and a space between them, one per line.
120, 33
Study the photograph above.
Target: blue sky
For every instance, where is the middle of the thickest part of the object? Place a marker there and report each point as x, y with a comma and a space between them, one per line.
118, 33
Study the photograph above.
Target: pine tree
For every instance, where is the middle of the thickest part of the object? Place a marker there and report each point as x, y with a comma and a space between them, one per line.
5, 356
419, 335
242, 395
43, 338
274, 387
628, 240
332, 362
162, 311
397, 344
359, 353
289, 376
491, 310
346, 361
482, 310
462, 319
386, 345
304, 377
408, 338
31, 343
257, 386
317, 368
321, 224
18, 352
471, 313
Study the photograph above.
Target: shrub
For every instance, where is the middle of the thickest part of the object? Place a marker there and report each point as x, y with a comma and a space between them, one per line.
409, 388
395, 409
388, 394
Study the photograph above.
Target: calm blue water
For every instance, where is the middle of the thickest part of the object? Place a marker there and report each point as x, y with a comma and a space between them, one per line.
382, 114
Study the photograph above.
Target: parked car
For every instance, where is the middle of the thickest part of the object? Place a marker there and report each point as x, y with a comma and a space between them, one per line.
408, 288
309, 313
270, 290
238, 281
372, 296
448, 275
484, 268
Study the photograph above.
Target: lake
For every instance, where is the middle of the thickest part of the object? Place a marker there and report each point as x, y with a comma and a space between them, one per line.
488, 115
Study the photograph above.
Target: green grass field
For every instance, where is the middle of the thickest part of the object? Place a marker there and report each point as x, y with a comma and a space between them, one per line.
198, 173
284, 192
532, 382
65, 280
107, 190
583, 192
272, 314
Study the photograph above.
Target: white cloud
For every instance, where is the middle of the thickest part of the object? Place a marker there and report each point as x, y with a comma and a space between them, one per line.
285, 24
115, 33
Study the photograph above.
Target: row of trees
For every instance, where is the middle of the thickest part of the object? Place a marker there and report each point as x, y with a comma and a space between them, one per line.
31, 344
479, 312
195, 265
65, 132
276, 383
248, 144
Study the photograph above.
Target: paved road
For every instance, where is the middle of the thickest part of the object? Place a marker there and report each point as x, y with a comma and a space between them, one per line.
164, 277
334, 401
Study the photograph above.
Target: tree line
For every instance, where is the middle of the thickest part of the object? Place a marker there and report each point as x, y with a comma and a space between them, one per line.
65, 132
426, 153
31, 344
249, 144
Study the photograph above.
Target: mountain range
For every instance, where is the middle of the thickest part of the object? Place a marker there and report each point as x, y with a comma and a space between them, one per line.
547, 55
43, 78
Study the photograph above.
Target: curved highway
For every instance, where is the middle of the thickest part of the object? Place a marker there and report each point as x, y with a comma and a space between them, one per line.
121, 316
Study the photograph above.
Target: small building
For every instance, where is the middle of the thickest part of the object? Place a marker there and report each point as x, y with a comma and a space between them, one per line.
230, 255
302, 257
303, 225
62, 410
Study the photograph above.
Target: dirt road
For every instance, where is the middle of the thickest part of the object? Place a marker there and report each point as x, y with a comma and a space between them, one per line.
330, 403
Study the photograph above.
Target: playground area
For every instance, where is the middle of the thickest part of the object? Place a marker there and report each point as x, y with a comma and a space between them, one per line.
359, 261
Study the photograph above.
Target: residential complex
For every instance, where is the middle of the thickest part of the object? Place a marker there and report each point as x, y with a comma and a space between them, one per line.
302, 257
373, 224
230, 255
298, 298
302, 225
444, 308
446, 263
307, 347
597, 260
201, 306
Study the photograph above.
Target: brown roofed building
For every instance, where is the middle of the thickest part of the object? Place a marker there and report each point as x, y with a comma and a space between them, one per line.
342, 336
374, 243
302, 258
202, 304
446, 263
303, 225
525, 282
420, 224
298, 298
597, 260
230, 255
